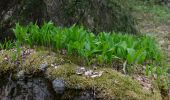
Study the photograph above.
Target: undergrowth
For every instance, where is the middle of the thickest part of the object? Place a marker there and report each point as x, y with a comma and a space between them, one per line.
104, 47
158, 13
7, 44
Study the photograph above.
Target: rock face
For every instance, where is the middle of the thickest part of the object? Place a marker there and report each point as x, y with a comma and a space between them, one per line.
58, 86
29, 89
39, 88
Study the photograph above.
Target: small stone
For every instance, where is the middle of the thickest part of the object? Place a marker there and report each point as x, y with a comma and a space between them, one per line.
56, 67
21, 74
88, 73
52, 65
43, 66
5, 58
58, 86
80, 70
97, 74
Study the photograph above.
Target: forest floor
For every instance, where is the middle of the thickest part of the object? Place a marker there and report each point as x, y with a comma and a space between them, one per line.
157, 26
161, 32
154, 20
162, 35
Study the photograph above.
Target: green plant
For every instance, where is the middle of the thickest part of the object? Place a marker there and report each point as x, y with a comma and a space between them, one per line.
160, 74
159, 71
104, 47
7, 44
18, 47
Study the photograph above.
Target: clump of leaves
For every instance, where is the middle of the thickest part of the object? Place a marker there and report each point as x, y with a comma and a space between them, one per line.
159, 71
161, 75
7, 44
104, 47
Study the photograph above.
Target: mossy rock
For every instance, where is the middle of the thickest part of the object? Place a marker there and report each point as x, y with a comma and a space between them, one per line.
111, 84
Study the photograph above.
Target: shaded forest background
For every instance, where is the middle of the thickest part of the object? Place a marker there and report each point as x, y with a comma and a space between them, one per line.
95, 15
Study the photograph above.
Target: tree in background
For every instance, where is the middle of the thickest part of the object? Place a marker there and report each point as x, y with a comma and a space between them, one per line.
95, 15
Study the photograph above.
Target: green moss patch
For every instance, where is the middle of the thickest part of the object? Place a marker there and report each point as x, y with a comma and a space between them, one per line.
110, 84
6, 63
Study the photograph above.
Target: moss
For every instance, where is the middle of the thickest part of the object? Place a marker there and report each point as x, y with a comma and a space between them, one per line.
67, 72
6, 63
111, 84
30, 63
33, 62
